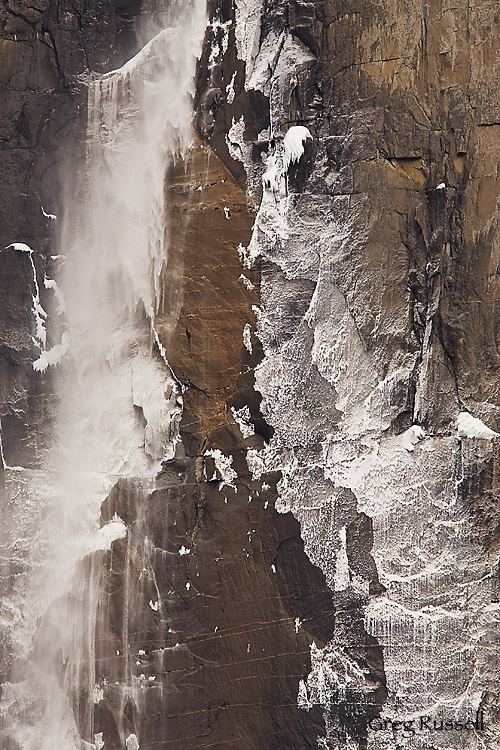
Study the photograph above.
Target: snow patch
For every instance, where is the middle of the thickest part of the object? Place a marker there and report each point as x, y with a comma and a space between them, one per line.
255, 463
221, 40
20, 247
104, 537
153, 605
472, 427
293, 144
98, 741
52, 217
412, 437
242, 417
244, 256
132, 743
230, 89
184, 550
52, 356
61, 303
247, 339
223, 464
303, 701
441, 186
235, 140
341, 577
247, 282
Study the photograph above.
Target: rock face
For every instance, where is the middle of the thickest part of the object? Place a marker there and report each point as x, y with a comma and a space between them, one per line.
320, 554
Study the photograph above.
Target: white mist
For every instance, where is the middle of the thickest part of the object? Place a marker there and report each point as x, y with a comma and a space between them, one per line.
120, 404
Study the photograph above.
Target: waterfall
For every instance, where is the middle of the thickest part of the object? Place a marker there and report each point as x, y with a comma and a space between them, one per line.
120, 405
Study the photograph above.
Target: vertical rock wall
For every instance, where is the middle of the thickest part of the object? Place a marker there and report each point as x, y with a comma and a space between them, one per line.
379, 256
310, 559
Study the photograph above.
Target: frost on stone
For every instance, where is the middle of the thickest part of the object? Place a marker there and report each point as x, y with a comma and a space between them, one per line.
224, 465
132, 743
472, 427
235, 140
247, 338
230, 89
412, 437
255, 463
243, 419
218, 48
244, 256
246, 282
303, 701
247, 31
293, 144
333, 673
341, 577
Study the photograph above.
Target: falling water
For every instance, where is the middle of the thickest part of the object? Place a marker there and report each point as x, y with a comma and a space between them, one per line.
120, 405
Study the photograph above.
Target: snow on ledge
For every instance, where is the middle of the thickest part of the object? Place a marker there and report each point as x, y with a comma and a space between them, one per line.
293, 144
472, 427
413, 436
52, 356
104, 537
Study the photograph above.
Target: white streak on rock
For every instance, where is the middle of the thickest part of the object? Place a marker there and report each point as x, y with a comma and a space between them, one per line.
247, 338
52, 217
230, 89
61, 303
341, 577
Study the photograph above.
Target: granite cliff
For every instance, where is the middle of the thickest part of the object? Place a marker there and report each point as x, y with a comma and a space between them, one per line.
316, 546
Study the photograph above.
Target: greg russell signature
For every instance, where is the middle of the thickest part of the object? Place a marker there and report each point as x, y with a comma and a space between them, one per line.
409, 727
